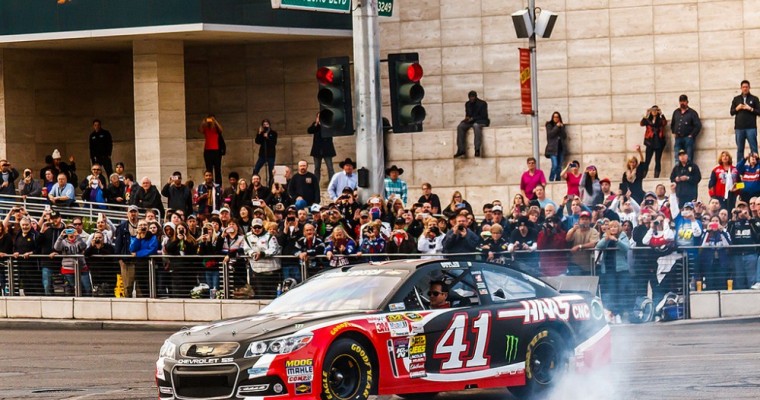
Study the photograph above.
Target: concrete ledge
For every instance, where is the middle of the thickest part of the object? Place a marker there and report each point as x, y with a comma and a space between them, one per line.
166, 310
705, 304
203, 310
92, 308
3, 308
739, 303
57, 308
240, 308
24, 307
128, 309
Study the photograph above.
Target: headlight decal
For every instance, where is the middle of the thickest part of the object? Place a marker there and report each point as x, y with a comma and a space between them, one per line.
283, 345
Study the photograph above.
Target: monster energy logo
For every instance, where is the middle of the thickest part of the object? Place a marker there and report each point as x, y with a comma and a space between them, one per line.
511, 352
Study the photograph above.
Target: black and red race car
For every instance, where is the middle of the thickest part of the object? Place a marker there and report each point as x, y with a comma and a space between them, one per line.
369, 329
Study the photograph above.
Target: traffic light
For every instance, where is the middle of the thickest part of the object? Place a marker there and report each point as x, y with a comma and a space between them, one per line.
405, 73
334, 96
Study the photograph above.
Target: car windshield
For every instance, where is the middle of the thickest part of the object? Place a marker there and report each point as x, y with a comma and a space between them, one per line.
339, 291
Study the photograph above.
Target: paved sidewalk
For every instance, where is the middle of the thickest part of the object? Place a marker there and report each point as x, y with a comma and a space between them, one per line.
80, 324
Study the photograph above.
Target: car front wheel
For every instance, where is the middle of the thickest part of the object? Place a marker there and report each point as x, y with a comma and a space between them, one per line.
347, 371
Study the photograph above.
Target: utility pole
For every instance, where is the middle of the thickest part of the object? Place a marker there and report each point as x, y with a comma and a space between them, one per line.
368, 103
534, 84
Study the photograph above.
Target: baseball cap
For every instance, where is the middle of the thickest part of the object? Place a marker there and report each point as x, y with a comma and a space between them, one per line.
682, 151
257, 222
650, 194
740, 203
688, 204
191, 216
133, 208
683, 97
497, 208
605, 180
55, 214
224, 209
585, 214
314, 208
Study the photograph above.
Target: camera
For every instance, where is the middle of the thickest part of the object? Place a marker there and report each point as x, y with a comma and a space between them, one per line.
69, 231
290, 219
209, 120
656, 223
648, 202
27, 174
460, 228
143, 229
435, 230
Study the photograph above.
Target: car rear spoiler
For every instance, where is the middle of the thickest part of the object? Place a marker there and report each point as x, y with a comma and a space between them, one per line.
574, 284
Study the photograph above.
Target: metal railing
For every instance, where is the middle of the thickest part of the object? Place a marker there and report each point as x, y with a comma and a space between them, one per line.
35, 206
647, 272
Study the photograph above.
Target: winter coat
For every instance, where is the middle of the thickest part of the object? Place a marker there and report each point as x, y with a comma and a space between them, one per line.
266, 246
76, 248
555, 137
654, 135
321, 147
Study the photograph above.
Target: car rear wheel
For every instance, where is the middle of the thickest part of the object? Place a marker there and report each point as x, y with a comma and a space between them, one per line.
347, 371
546, 361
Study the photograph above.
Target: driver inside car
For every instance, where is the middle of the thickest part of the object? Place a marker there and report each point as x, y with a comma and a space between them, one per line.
439, 295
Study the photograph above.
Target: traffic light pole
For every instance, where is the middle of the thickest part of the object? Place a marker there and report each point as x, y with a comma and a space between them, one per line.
368, 103
534, 85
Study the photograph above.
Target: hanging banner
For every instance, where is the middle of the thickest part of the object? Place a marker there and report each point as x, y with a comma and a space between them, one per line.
525, 94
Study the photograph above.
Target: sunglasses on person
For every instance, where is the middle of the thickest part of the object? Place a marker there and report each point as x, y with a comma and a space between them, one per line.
434, 293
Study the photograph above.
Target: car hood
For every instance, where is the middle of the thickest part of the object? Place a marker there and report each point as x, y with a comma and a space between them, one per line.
260, 326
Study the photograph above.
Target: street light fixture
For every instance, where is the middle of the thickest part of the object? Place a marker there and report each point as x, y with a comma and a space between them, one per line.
527, 26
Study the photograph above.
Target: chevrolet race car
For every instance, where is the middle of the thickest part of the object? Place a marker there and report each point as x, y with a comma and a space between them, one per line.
356, 331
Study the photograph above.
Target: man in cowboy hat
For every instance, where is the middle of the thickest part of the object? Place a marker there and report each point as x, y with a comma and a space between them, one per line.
395, 187
343, 179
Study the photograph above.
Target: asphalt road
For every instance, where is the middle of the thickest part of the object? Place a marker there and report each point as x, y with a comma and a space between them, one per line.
702, 360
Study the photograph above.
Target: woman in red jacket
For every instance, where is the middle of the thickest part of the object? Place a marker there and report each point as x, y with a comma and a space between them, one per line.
654, 137
552, 237
723, 180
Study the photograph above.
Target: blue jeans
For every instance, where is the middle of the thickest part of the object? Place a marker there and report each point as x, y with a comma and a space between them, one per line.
47, 279
556, 170
751, 136
686, 143
84, 278
744, 270
270, 165
212, 278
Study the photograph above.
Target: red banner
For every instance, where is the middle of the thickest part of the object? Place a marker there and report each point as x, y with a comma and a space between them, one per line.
525, 82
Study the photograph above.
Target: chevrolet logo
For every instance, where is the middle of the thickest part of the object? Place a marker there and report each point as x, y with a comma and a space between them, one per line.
204, 350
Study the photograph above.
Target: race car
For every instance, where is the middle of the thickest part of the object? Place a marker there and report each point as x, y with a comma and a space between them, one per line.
376, 328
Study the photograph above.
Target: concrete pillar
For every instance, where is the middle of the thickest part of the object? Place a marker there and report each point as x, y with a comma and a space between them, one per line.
3, 137
159, 85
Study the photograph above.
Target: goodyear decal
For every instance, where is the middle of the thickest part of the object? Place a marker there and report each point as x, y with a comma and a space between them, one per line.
339, 327
531, 345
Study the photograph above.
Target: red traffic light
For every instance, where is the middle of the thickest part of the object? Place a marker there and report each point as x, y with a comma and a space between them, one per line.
325, 76
414, 72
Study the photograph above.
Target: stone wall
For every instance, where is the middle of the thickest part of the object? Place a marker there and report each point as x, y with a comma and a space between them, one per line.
51, 98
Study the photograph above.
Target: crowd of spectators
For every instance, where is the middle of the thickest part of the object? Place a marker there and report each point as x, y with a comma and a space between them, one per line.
264, 231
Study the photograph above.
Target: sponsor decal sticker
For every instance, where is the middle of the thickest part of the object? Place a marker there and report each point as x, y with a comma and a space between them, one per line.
450, 264
401, 347
511, 351
395, 318
299, 370
417, 345
484, 292
400, 328
413, 316
581, 311
338, 328
303, 388
397, 307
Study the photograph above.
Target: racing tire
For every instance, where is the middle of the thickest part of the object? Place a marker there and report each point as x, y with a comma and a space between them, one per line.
348, 372
547, 359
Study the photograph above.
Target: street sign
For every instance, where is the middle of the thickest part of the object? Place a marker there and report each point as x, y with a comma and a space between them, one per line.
335, 6
385, 8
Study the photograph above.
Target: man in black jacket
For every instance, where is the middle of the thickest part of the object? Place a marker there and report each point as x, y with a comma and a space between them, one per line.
147, 196
685, 126
686, 176
179, 196
101, 146
304, 184
476, 117
322, 148
51, 228
745, 108
8, 176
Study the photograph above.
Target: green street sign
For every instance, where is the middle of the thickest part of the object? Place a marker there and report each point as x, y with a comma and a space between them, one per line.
385, 8
335, 6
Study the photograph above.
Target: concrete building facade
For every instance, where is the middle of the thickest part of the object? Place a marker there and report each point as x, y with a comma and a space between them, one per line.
605, 64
